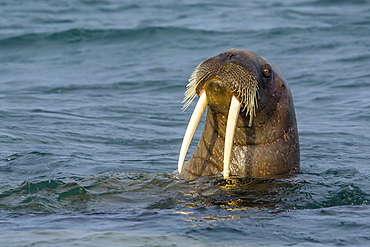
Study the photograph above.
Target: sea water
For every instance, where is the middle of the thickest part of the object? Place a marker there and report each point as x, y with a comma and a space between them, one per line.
91, 123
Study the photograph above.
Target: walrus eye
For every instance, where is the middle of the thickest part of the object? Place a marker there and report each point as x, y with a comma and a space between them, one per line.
267, 71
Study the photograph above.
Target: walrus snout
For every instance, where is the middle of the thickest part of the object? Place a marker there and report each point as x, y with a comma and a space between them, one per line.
236, 72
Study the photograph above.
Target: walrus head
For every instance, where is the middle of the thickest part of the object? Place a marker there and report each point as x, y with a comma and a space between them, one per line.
250, 128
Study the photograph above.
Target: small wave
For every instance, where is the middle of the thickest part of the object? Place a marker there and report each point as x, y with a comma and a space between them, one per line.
348, 194
161, 191
81, 35
89, 194
336, 2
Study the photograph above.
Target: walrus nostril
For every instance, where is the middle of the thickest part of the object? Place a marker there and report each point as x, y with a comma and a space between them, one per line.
227, 55
230, 54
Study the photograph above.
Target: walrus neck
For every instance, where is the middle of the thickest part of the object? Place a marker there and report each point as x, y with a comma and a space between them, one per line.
207, 159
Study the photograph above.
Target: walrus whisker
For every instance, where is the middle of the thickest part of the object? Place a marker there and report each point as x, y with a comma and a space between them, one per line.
232, 119
190, 92
192, 126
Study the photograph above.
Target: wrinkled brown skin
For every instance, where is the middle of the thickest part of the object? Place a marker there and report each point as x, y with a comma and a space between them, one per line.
268, 148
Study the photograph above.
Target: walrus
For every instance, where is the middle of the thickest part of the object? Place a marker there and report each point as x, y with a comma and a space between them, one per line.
250, 128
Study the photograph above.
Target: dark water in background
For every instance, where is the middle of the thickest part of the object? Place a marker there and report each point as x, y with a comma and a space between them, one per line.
91, 123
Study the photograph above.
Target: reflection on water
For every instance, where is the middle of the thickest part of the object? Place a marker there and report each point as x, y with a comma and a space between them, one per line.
200, 209
158, 191
112, 192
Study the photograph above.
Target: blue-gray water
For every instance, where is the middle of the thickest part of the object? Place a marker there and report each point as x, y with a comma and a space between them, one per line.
91, 123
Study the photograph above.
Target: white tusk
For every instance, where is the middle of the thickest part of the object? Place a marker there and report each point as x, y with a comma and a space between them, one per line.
232, 119
192, 126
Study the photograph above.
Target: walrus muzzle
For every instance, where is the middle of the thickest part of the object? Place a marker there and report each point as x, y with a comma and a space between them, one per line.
238, 86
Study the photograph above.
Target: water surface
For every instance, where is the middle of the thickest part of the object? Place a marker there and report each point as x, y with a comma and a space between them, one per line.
91, 123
